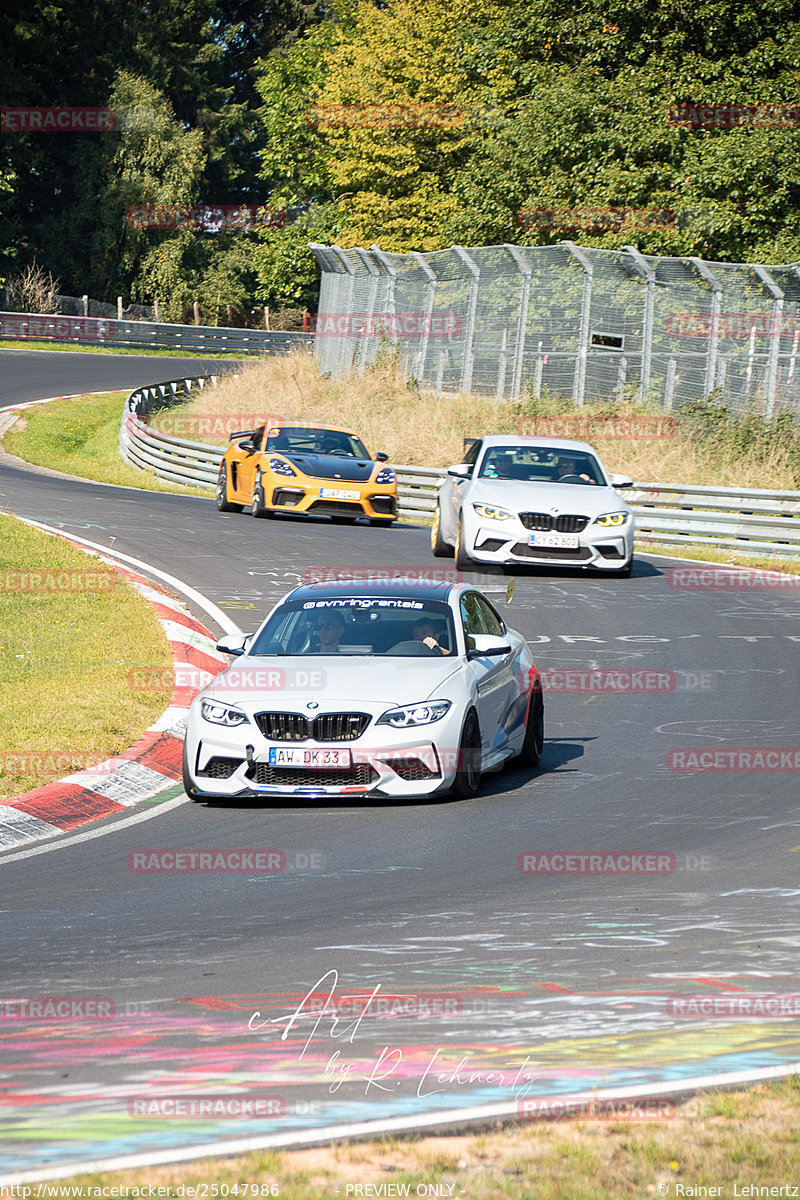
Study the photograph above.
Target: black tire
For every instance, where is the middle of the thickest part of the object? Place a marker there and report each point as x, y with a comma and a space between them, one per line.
468, 774
533, 745
463, 560
439, 546
223, 503
257, 506
625, 572
381, 522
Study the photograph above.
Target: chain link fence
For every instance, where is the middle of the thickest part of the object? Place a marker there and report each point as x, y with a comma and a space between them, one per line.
566, 320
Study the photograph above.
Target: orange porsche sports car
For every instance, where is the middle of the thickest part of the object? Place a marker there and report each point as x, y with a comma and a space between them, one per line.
294, 468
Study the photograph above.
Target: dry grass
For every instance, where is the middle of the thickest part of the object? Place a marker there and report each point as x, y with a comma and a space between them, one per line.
390, 413
716, 1139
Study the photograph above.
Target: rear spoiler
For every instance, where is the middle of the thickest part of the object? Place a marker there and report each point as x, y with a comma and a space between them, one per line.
242, 433
469, 443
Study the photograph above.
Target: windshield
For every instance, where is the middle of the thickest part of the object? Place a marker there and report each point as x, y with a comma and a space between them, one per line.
295, 439
358, 625
541, 464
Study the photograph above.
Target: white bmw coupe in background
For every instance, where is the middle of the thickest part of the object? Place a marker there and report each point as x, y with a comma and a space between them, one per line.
533, 500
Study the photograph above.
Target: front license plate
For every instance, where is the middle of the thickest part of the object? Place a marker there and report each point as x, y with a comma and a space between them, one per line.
339, 494
312, 760
567, 541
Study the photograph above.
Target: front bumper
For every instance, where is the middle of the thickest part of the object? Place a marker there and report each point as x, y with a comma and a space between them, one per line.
305, 496
506, 542
384, 762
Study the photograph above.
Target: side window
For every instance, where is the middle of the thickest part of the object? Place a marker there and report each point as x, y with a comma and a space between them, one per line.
472, 615
471, 456
492, 621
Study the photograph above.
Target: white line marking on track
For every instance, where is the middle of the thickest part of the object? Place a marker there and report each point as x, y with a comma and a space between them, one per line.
432, 1121
90, 834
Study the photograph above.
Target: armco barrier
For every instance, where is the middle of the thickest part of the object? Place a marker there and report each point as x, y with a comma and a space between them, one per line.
758, 520
102, 331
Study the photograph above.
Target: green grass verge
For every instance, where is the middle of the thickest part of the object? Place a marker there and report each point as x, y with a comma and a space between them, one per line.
730, 558
718, 1140
67, 648
81, 437
72, 348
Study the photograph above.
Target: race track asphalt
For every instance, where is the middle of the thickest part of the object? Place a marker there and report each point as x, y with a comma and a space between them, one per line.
552, 982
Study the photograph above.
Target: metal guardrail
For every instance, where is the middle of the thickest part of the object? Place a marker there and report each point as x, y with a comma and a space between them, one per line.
102, 331
759, 520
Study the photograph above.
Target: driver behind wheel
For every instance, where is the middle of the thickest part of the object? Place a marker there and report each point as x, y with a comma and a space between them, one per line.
425, 631
568, 466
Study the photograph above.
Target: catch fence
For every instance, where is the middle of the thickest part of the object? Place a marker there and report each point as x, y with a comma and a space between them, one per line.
578, 322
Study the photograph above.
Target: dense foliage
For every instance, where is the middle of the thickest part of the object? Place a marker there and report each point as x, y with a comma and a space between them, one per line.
413, 125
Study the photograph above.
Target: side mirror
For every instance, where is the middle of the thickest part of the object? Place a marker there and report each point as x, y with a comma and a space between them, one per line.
482, 645
460, 470
248, 446
381, 457
234, 643
620, 481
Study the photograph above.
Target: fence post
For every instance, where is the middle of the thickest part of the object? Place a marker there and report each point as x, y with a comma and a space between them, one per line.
469, 338
370, 338
537, 373
669, 385
119, 308
775, 335
501, 372
716, 308
391, 302
586, 314
342, 352
522, 322
429, 302
649, 274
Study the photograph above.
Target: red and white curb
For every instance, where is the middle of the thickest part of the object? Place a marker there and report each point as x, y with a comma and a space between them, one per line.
148, 767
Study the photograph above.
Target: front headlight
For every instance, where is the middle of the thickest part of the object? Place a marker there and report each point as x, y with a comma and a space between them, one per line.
609, 519
280, 467
385, 476
492, 512
222, 714
415, 714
